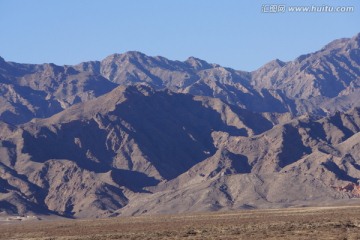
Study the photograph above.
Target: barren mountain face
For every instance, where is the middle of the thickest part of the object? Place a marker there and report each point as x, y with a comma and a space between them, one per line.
135, 134
321, 82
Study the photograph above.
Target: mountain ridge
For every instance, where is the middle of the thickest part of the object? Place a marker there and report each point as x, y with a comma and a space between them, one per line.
296, 87
115, 149
134, 134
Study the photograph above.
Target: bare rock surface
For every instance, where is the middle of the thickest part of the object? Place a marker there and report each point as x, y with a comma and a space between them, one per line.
134, 134
318, 83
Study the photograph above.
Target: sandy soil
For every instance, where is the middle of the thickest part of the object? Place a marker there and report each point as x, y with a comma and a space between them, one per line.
294, 223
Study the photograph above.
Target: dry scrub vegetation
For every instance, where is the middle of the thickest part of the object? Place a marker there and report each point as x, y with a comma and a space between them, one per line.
295, 223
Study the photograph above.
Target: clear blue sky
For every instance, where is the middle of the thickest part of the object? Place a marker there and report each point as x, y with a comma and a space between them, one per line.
233, 33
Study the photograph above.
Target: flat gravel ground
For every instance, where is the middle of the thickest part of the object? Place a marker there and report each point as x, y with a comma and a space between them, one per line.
291, 223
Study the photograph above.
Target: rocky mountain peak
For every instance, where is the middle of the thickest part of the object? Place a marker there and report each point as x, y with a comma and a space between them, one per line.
336, 44
354, 42
134, 55
276, 63
197, 63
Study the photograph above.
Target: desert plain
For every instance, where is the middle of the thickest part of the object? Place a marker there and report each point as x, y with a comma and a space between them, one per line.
330, 222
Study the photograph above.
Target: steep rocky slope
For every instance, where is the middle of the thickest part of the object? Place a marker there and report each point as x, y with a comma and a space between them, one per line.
136, 150
92, 155
134, 134
29, 90
318, 83
303, 162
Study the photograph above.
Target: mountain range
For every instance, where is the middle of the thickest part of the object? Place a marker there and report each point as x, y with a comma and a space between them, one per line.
134, 134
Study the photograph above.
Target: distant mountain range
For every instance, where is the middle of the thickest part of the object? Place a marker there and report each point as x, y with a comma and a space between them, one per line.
134, 134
